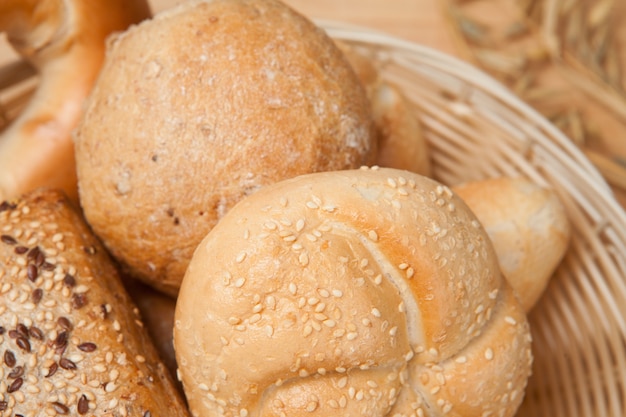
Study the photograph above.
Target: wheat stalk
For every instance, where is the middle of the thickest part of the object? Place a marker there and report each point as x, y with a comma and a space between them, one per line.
572, 38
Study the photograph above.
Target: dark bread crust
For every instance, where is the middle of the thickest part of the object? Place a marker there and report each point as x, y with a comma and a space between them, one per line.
68, 322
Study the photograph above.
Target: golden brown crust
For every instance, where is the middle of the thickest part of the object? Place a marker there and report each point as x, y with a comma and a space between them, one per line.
360, 292
201, 106
65, 41
401, 142
73, 342
528, 226
157, 312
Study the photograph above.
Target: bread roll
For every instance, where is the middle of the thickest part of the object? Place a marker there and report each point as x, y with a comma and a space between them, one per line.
201, 106
371, 292
64, 40
72, 341
401, 142
528, 226
157, 312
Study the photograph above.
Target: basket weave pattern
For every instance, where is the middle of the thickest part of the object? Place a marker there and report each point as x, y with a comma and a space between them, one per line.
477, 129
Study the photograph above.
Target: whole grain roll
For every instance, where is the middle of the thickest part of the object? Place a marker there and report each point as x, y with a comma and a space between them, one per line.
71, 340
372, 292
201, 106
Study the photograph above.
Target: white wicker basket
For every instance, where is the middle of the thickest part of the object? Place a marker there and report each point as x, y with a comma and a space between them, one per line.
476, 129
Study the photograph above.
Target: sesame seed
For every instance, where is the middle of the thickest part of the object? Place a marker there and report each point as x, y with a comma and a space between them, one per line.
376, 312
313, 301
239, 282
270, 225
311, 406
510, 320
489, 354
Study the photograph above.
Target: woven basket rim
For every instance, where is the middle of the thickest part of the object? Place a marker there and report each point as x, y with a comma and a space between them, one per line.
470, 73
579, 326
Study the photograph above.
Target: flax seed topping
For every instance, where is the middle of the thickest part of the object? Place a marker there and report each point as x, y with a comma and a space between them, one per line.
57, 348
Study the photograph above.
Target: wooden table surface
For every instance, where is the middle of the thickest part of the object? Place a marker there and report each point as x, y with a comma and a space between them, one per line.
415, 20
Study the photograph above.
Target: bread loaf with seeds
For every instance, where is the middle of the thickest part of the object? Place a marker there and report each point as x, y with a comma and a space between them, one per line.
371, 292
71, 341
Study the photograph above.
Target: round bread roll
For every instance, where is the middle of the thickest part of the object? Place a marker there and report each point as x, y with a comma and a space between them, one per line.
201, 106
528, 226
71, 340
371, 292
65, 41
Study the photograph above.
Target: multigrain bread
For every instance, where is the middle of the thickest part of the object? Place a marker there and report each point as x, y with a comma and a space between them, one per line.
71, 339
64, 40
528, 226
360, 292
201, 106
